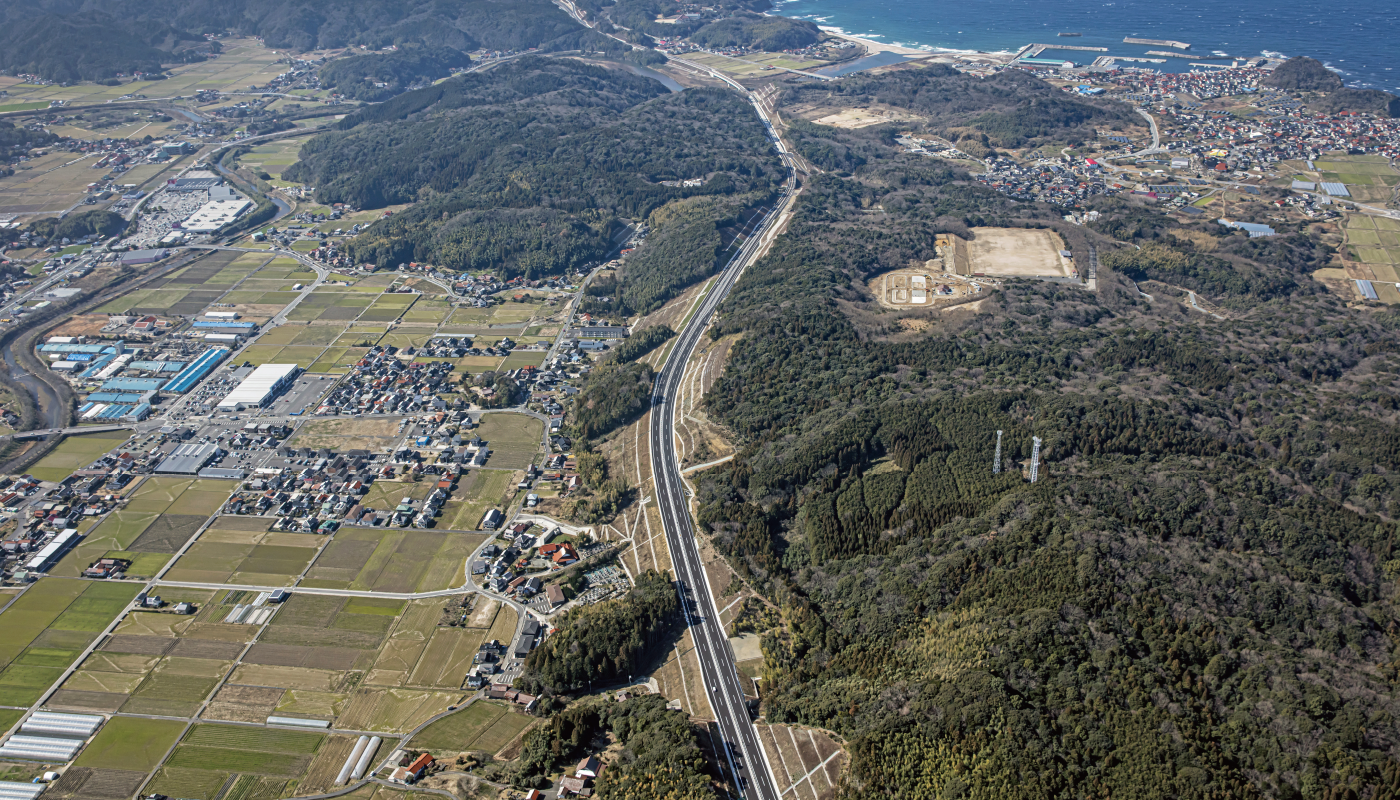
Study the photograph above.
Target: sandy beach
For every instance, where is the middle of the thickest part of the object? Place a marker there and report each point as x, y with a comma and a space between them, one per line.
874, 46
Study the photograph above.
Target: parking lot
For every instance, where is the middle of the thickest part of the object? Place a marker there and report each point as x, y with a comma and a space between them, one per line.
152, 226
303, 396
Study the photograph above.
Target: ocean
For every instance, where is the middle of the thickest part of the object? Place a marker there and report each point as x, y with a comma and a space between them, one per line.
1357, 38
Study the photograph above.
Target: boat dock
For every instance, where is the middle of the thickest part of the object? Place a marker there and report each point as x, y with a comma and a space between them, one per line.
1037, 49
1157, 42
1170, 54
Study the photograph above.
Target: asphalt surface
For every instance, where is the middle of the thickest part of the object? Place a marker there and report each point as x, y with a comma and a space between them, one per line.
744, 752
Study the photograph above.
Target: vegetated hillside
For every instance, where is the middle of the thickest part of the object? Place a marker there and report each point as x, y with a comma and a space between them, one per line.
311, 24
607, 642
93, 45
660, 757
1196, 600
359, 77
758, 32
641, 15
614, 395
16, 141
1305, 74
1011, 108
528, 168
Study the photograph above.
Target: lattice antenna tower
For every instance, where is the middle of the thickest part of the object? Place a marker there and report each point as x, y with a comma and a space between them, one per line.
1035, 458
996, 460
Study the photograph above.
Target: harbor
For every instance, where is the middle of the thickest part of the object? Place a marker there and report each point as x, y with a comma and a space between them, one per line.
1157, 42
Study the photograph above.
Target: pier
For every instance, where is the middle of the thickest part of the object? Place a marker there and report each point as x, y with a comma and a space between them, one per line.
1037, 49
1170, 54
1157, 43
1106, 62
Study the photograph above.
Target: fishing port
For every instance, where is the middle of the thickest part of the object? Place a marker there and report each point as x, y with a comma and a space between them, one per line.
1157, 42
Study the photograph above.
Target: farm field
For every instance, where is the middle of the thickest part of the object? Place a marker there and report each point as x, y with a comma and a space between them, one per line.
482, 726
477, 492
514, 439
210, 755
393, 560
347, 434
76, 452
47, 627
263, 559
130, 743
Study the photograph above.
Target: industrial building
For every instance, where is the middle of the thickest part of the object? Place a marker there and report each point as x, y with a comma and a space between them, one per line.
197, 180
262, 385
53, 551
188, 459
224, 325
136, 257
196, 370
600, 332
215, 214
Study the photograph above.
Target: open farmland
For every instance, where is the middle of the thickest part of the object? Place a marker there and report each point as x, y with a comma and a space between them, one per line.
398, 560
479, 491
130, 743
211, 755
482, 726
514, 439
347, 434
260, 559
47, 627
74, 453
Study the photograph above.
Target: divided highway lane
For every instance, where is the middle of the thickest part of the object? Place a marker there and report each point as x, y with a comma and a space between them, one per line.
743, 750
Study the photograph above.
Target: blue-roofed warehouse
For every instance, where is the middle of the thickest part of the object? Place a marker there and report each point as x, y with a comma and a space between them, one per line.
196, 370
116, 397
225, 325
133, 385
157, 366
78, 348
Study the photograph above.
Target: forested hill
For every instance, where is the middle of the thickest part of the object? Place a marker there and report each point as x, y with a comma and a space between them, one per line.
311, 24
1011, 108
374, 77
93, 45
527, 168
1196, 600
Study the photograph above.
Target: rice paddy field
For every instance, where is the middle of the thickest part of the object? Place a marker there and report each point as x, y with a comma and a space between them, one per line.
393, 560
476, 493
163, 514
514, 439
1369, 178
47, 628
76, 452
252, 558
210, 757
1375, 243
483, 726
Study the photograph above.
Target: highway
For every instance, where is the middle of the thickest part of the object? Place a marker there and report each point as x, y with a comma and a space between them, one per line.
742, 750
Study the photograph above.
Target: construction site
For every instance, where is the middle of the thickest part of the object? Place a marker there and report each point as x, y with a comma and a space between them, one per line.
1006, 252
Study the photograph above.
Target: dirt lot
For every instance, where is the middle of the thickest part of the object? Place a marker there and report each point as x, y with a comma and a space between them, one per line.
347, 434
1017, 251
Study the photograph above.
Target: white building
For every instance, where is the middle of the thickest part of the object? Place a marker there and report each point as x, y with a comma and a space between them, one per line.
215, 214
261, 386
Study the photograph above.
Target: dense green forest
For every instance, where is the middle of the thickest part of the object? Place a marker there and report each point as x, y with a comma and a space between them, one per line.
614, 395
92, 45
359, 77
640, 343
310, 25
640, 15
1010, 108
660, 757
531, 168
75, 226
607, 642
685, 245
1196, 599
757, 32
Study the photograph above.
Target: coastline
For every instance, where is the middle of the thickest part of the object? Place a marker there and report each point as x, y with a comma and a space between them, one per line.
873, 46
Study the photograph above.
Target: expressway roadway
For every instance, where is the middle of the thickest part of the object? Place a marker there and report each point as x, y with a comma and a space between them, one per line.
743, 750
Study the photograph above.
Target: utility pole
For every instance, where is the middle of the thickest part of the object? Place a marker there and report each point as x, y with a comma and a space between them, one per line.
996, 460
1035, 458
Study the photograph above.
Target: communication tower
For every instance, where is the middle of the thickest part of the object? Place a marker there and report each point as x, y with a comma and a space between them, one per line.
1035, 458
996, 460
